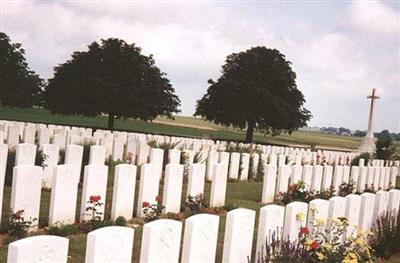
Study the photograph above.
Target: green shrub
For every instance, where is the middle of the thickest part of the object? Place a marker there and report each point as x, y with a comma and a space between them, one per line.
230, 206
120, 221
365, 156
386, 238
63, 230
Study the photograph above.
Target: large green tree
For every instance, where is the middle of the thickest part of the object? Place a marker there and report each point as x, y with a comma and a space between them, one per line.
257, 90
111, 78
19, 86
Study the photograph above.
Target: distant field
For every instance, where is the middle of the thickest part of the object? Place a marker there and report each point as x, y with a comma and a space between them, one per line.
182, 126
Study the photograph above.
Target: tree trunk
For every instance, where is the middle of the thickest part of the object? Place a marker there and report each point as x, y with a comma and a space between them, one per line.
111, 121
249, 132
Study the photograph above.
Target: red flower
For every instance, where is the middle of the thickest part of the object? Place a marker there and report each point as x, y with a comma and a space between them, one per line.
18, 215
145, 204
292, 187
158, 199
94, 198
304, 230
314, 245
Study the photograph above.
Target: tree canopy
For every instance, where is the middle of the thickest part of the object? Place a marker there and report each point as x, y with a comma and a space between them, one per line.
257, 90
112, 78
19, 86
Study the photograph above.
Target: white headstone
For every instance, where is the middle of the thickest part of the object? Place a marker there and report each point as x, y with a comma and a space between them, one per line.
394, 201
196, 179
200, 238
148, 188
366, 218
3, 166
317, 211
161, 241
307, 174
381, 204
337, 178
234, 165
362, 179
64, 194
25, 154
174, 156
13, 136
94, 184
29, 134
244, 167
43, 136
337, 207
157, 159
118, 149
110, 244
172, 192
124, 191
282, 182
238, 239
74, 155
50, 153
26, 190
43, 248
270, 225
269, 184
297, 171
211, 160
327, 177
97, 154
353, 205
316, 181
218, 186
295, 217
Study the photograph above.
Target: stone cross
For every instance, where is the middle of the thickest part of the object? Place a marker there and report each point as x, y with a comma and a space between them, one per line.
368, 142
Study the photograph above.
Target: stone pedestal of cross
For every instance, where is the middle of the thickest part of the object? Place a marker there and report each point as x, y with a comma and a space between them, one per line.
368, 142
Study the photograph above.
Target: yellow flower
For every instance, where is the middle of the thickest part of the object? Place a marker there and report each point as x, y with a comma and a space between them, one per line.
320, 256
327, 246
300, 216
320, 222
359, 242
350, 259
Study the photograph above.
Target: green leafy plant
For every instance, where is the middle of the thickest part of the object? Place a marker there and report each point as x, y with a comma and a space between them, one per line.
120, 221
195, 204
346, 188
365, 156
40, 158
63, 230
152, 211
386, 238
18, 226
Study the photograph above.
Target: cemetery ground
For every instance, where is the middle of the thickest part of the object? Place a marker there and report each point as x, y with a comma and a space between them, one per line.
239, 194
183, 126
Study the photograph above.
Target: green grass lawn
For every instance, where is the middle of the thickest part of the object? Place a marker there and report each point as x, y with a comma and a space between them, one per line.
180, 126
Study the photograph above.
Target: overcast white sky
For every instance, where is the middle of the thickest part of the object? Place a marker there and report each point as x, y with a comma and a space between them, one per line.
339, 50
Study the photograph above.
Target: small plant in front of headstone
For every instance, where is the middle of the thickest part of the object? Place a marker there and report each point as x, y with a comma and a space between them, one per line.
18, 227
346, 188
92, 208
296, 192
386, 238
41, 158
195, 204
129, 158
329, 242
152, 211
63, 230
280, 250
120, 221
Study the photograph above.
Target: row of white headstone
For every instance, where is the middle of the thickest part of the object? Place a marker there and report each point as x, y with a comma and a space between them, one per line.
236, 165
319, 178
27, 179
64, 135
161, 239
